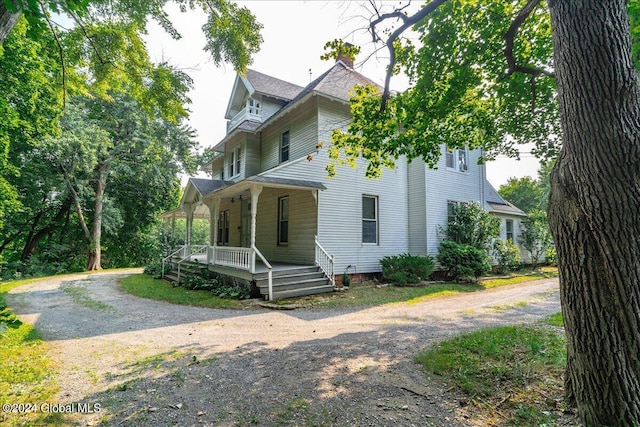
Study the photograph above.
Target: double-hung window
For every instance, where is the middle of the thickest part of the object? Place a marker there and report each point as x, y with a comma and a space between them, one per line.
509, 229
370, 219
235, 162
223, 228
457, 159
284, 146
283, 220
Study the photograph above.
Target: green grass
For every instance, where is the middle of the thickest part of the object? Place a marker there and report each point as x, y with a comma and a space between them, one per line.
145, 286
80, 295
519, 278
512, 375
26, 371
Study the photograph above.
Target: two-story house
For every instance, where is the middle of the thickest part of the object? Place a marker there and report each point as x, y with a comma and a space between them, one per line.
272, 206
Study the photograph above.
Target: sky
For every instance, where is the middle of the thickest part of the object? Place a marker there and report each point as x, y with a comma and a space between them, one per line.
294, 34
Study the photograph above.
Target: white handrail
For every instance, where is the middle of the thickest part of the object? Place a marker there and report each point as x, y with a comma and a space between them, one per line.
198, 250
326, 262
168, 257
239, 258
269, 270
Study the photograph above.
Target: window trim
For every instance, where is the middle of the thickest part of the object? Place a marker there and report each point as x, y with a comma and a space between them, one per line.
506, 229
375, 220
452, 155
281, 221
283, 146
223, 228
231, 164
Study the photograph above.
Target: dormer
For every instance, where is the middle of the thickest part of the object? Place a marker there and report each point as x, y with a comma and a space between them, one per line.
256, 97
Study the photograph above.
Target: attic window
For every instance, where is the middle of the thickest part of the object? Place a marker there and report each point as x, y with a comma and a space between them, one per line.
253, 106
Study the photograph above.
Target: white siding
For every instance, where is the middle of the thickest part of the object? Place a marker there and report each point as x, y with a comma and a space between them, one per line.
417, 203
302, 226
442, 185
303, 133
251, 161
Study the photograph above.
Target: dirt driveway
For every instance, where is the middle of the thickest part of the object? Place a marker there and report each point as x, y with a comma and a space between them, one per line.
149, 363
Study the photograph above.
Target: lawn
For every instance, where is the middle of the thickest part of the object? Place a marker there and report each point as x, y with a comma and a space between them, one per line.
145, 286
27, 374
511, 376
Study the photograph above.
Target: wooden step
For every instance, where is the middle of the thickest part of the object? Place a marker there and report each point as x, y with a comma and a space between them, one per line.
290, 278
302, 292
291, 285
287, 272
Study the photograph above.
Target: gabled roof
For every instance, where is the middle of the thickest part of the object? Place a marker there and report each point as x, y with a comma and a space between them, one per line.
270, 86
207, 186
496, 203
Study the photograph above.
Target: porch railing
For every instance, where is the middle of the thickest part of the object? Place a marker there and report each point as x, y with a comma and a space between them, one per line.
232, 257
325, 262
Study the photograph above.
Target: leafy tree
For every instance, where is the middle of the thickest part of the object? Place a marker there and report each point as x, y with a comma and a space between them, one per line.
535, 236
470, 224
105, 140
487, 74
524, 192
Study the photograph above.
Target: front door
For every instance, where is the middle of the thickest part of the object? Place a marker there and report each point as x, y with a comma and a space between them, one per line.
245, 224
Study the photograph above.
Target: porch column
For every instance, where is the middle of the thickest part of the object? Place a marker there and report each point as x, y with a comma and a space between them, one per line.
255, 193
214, 209
188, 209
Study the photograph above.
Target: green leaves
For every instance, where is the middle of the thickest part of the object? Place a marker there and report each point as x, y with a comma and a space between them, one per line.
463, 90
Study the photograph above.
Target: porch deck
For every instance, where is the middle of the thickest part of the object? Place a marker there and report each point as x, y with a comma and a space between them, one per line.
260, 266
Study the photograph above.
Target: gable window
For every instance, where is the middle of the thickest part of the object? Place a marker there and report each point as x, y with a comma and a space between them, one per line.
223, 228
253, 106
284, 146
457, 159
283, 220
370, 219
509, 229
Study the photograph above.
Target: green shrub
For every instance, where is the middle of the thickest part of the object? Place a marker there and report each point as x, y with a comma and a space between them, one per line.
462, 260
201, 282
552, 256
238, 290
507, 254
155, 269
406, 268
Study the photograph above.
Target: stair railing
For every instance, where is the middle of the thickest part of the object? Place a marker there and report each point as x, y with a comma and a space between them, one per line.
169, 257
254, 252
193, 250
326, 262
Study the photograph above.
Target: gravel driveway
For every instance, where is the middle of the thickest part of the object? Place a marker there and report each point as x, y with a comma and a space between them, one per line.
149, 363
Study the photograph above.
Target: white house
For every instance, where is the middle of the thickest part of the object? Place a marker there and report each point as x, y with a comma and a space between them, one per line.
271, 204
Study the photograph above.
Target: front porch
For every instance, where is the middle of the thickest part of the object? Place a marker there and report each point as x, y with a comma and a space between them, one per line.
285, 229
274, 280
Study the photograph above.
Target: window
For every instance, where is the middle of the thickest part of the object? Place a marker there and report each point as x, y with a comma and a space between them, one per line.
457, 159
253, 106
284, 147
509, 228
283, 220
369, 219
232, 164
223, 228
238, 159
451, 216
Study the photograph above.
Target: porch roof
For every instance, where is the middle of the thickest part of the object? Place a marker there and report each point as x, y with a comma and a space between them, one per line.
267, 181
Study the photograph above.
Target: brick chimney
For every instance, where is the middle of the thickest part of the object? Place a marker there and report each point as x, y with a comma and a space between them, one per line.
344, 57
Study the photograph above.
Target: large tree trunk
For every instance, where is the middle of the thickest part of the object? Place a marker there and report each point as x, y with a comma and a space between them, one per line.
8, 20
594, 208
95, 253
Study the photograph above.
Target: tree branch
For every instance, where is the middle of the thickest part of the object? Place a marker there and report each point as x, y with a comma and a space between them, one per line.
407, 22
509, 38
60, 53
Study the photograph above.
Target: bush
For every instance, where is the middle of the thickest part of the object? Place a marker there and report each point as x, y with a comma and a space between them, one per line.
552, 256
235, 291
201, 282
462, 260
507, 254
155, 270
405, 268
